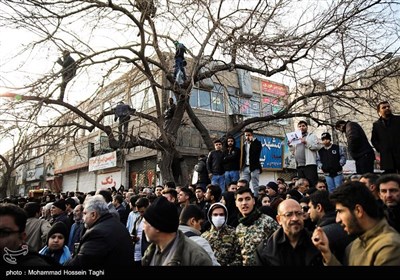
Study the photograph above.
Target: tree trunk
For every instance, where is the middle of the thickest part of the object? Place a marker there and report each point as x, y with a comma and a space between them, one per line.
173, 167
166, 166
4, 184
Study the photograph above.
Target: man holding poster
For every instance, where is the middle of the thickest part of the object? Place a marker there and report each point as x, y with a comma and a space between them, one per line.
305, 152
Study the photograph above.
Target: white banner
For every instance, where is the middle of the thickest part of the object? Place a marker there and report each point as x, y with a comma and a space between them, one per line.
108, 180
103, 161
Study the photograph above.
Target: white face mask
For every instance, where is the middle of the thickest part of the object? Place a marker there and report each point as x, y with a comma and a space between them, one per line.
218, 221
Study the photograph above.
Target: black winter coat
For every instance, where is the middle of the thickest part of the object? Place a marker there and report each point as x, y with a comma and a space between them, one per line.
106, 244
254, 153
385, 138
277, 251
357, 141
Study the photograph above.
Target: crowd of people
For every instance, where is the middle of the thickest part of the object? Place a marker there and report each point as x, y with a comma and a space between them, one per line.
227, 218
174, 225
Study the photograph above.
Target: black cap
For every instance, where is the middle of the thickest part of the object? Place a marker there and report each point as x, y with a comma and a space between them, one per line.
58, 227
273, 185
163, 215
326, 135
60, 204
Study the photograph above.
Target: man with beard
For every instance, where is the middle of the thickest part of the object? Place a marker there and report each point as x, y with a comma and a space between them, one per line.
290, 245
376, 244
388, 186
231, 160
385, 136
305, 154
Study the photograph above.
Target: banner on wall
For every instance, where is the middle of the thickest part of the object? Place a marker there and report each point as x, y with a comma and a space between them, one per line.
103, 161
108, 180
271, 153
272, 88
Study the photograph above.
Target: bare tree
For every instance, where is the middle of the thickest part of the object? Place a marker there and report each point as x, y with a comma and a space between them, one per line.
29, 142
342, 44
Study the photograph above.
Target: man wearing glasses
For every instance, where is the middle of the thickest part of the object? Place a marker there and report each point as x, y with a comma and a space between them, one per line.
14, 251
291, 244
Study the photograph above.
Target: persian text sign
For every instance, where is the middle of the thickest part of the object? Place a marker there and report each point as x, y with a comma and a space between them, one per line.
108, 180
272, 151
103, 161
273, 88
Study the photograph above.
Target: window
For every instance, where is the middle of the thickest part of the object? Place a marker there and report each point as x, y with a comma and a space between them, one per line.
109, 105
244, 105
204, 100
217, 98
233, 105
142, 97
217, 102
254, 108
232, 91
194, 98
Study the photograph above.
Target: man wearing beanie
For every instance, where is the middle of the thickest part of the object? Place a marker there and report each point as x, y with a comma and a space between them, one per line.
56, 243
170, 247
58, 213
272, 188
331, 158
275, 198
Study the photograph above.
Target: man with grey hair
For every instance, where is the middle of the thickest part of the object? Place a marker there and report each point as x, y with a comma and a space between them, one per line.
300, 188
106, 242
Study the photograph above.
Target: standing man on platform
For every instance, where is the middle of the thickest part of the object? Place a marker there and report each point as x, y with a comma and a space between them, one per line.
305, 154
331, 159
231, 160
385, 137
251, 166
358, 146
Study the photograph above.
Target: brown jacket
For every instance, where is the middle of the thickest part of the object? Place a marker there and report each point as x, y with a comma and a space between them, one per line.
378, 246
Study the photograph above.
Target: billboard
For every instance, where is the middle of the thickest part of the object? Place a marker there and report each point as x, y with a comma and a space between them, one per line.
271, 157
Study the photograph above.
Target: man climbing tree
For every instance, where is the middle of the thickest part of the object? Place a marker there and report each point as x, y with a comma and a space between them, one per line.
169, 112
180, 63
123, 113
68, 71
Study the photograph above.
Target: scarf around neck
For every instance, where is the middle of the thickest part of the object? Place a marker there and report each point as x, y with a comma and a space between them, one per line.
251, 218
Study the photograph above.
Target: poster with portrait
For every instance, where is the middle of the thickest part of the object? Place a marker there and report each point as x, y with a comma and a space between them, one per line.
294, 137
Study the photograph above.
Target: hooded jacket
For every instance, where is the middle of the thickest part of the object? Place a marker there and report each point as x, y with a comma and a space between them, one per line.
212, 207
224, 241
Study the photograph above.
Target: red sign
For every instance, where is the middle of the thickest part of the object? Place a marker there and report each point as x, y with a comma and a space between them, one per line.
150, 177
134, 177
268, 100
273, 88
